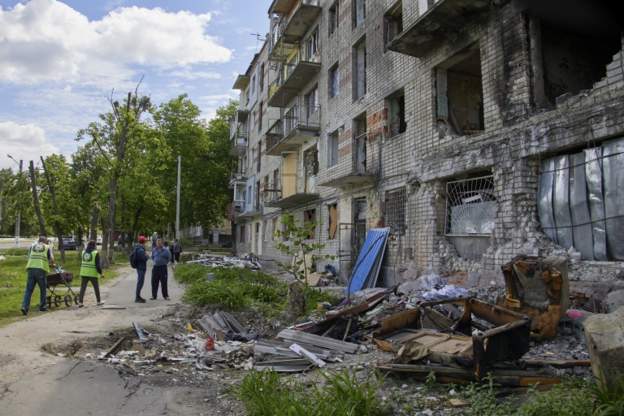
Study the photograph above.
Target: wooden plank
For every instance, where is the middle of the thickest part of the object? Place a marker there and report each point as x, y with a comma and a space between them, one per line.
115, 347
318, 341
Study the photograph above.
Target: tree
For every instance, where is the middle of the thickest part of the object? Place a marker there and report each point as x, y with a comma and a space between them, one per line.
35, 194
116, 131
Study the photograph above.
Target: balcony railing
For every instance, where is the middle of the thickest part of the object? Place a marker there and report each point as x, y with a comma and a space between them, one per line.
299, 124
291, 24
293, 77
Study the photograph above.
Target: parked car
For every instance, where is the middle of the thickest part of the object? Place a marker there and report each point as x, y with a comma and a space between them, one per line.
69, 243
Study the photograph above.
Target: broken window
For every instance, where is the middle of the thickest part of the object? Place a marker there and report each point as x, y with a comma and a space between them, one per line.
257, 197
309, 219
580, 201
359, 143
358, 11
332, 223
241, 236
471, 206
261, 78
333, 140
276, 180
395, 210
359, 69
311, 46
333, 81
310, 168
573, 57
396, 113
259, 157
311, 107
460, 94
393, 23
260, 111
333, 18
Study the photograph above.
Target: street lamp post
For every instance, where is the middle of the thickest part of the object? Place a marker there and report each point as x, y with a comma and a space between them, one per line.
18, 208
177, 223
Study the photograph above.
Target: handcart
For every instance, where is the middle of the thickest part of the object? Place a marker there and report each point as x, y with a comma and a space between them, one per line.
55, 280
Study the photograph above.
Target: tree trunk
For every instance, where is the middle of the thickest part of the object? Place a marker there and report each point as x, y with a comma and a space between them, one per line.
33, 185
55, 224
93, 225
112, 201
104, 259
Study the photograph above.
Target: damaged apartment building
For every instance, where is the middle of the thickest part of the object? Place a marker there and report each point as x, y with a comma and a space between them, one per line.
475, 130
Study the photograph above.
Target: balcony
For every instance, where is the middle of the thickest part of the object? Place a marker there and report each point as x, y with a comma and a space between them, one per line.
277, 198
443, 22
293, 18
292, 78
300, 124
239, 145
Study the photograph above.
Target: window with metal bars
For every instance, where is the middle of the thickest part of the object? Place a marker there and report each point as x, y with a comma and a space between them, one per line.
395, 202
471, 206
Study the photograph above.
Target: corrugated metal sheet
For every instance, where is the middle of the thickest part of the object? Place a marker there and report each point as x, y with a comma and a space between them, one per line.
369, 259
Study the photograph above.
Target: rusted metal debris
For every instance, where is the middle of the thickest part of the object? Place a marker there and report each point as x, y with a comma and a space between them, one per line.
539, 288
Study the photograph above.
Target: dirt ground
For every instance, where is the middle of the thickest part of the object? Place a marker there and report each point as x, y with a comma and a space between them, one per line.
37, 380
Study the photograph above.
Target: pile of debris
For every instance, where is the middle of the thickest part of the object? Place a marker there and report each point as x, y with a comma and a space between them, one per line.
210, 260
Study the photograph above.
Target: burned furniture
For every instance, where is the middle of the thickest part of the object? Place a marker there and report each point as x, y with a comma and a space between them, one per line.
539, 288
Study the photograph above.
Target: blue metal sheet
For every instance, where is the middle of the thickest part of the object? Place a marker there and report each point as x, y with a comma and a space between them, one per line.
371, 254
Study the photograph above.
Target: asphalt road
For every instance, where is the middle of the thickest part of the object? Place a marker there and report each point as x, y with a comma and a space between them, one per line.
35, 383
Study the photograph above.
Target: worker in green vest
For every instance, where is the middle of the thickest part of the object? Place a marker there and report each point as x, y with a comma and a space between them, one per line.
39, 261
90, 271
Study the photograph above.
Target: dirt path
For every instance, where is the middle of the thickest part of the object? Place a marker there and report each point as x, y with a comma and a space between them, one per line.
33, 382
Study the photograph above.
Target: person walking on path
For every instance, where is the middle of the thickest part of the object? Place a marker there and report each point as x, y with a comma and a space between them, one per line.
176, 251
138, 260
90, 271
161, 257
39, 261
154, 239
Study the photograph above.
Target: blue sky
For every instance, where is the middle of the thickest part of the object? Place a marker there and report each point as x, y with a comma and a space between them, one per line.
60, 60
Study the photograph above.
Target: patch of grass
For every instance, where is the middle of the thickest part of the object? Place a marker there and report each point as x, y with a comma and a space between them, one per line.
13, 280
237, 289
609, 401
342, 394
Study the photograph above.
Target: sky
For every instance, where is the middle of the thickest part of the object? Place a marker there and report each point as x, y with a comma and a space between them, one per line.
61, 60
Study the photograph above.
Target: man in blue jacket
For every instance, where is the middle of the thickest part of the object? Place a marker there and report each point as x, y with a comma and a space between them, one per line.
140, 264
161, 257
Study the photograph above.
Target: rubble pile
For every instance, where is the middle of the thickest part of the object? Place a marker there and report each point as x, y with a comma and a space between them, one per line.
210, 260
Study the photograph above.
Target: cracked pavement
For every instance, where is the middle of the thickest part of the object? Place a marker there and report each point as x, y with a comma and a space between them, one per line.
35, 382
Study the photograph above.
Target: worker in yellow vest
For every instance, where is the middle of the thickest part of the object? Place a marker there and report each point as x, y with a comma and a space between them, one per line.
39, 261
90, 271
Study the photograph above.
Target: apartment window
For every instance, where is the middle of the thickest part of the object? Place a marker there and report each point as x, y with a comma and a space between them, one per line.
333, 81
333, 18
253, 85
396, 113
311, 46
260, 111
333, 139
393, 23
261, 78
276, 180
266, 183
394, 206
265, 231
358, 10
257, 195
332, 223
359, 69
309, 219
460, 94
311, 107
471, 206
241, 236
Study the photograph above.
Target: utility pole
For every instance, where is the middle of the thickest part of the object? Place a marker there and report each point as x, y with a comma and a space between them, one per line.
177, 224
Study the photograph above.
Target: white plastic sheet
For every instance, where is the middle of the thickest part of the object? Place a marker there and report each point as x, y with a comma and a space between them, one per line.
613, 180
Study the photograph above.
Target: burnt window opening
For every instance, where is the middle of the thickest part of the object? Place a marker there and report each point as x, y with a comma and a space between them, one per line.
257, 197
310, 168
396, 113
359, 69
471, 206
394, 207
332, 223
358, 11
333, 18
333, 81
259, 157
459, 93
333, 139
393, 23
574, 56
309, 220
260, 111
359, 143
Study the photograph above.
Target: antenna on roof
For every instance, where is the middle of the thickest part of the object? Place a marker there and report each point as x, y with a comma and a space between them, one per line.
259, 37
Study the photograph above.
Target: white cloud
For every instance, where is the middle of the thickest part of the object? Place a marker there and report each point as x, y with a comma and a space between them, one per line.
22, 141
192, 74
46, 40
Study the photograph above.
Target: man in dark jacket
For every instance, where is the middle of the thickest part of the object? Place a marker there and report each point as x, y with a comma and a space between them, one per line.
176, 251
140, 263
161, 257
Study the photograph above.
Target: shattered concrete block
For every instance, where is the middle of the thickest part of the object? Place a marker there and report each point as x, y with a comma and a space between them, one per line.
615, 300
605, 340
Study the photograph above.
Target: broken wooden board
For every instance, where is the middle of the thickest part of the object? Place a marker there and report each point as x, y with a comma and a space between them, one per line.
394, 341
318, 341
289, 365
115, 347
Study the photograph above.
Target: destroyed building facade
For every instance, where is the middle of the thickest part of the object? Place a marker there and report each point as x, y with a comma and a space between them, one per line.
476, 130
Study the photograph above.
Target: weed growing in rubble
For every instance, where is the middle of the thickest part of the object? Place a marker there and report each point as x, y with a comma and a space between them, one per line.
342, 394
609, 401
238, 289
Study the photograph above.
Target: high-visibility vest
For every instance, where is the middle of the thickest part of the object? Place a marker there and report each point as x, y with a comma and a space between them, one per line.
38, 257
88, 267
